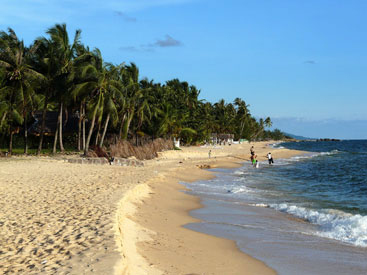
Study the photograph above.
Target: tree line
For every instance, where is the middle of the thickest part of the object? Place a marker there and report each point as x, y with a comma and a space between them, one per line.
56, 73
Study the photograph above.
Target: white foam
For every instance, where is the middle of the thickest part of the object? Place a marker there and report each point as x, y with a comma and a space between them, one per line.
334, 224
305, 156
239, 172
259, 205
242, 189
333, 152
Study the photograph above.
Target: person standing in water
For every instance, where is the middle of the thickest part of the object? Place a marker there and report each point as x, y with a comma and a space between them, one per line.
270, 158
253, 160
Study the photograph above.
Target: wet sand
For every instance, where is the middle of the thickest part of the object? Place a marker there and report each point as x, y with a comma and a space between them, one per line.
160, 209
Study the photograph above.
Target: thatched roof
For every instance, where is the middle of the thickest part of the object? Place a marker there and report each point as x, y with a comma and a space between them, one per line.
222, 136
70, 123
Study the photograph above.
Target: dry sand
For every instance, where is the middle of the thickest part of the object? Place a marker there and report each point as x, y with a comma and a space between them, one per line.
63, 218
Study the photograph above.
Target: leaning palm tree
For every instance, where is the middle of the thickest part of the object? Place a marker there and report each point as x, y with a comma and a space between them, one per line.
98, 86
243, 114
134, 97
111, 112
20, 80
113, 96
258, 128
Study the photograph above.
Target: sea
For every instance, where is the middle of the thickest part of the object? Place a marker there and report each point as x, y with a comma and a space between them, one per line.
302, 215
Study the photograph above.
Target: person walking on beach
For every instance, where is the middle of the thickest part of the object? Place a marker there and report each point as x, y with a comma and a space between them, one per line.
270, 158
252, 151
210, 153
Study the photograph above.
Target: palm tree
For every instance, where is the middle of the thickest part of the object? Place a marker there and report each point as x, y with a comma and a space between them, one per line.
268, 123
47, 64
98, 85
64, 53
243, 114
83, 58
221, 116
258, 128
112, 96
134, 98
21, 80
172, 123
207, 119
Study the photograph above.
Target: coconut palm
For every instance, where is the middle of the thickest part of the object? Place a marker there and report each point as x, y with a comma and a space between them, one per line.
172, 123
112, 96
243, 114
134, 98
64, 53
268, 123
20, 81
48, 65
207, 119
98, 86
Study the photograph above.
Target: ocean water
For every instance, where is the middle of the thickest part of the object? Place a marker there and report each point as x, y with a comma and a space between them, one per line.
303, 215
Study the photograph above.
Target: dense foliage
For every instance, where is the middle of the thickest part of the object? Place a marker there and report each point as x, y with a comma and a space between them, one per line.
63, 75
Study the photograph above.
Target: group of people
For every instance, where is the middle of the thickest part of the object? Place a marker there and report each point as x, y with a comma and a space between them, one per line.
254, 161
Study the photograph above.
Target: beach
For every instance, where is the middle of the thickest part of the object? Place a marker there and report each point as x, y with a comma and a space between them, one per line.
58, 217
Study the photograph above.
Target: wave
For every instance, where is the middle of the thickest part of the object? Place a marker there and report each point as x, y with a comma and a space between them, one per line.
276, 145
333, 152
334, 224
242, 189
259, 205
305, 156
240, 172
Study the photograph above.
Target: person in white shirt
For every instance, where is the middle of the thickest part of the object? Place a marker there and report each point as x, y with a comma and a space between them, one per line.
270, 158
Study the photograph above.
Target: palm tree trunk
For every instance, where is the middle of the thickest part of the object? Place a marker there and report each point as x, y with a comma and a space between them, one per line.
83, 126
90, 132
3, 118
60, 128
98, 133
56, 135
80, 125
122, 125
126, 126
11, 143
25, 135
104, 130
241, 131
43, 125
10, 126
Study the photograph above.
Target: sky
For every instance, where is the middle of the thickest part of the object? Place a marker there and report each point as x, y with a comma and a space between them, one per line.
301, 62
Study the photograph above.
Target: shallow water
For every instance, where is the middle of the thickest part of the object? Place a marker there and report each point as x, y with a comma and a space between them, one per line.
304, 215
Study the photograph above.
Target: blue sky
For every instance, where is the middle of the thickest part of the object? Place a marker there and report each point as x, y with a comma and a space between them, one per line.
301, 62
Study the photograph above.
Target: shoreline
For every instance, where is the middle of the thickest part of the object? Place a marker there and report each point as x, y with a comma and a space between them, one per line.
169, 248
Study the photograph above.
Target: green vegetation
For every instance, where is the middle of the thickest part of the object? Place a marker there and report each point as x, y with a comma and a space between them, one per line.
63, 76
